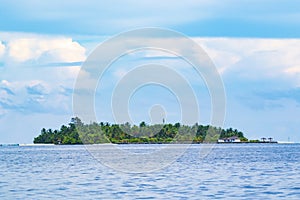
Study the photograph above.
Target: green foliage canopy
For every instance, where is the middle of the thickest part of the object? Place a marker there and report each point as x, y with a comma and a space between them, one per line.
76, 132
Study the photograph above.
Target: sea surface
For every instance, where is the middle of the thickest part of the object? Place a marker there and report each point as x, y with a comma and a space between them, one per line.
228, 171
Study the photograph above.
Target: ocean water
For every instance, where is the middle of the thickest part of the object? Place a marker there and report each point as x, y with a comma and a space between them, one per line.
229, 171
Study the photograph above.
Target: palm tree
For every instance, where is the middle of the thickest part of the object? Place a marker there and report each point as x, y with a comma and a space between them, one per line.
270, 139
263, 139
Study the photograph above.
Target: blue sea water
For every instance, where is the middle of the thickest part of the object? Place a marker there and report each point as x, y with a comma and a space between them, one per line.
229, 171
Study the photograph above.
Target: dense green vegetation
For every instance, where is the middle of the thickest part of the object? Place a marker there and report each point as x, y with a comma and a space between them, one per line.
94, 133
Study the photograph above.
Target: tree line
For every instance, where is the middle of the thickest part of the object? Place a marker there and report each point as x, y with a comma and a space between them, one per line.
76, 132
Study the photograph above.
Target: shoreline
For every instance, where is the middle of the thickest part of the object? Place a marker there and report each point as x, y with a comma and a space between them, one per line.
104, 144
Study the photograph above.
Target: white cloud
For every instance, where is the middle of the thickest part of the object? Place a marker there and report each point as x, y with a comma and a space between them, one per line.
37, 88
10, 85
20, 88
255, 58
37, 49
67, 73
153, 53
33, 96
119, 73
2, 49
2, 112
243, 58
45, 50
293, 70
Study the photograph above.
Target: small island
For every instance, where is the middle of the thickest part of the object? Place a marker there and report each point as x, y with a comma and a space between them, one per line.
76, 132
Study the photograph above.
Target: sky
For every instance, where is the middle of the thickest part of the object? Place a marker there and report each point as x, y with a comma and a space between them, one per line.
255, 47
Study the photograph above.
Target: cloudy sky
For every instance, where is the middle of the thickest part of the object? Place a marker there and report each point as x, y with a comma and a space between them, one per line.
255, 47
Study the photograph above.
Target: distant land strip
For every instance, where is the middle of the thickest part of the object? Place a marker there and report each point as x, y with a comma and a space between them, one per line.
76, 132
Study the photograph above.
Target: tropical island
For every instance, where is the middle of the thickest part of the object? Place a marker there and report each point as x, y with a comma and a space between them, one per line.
76, 132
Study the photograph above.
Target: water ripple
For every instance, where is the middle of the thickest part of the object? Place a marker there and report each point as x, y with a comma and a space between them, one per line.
248, 171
